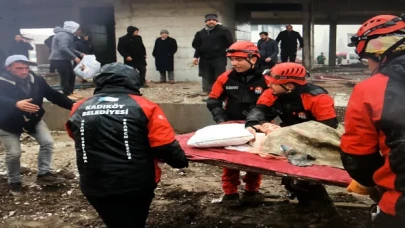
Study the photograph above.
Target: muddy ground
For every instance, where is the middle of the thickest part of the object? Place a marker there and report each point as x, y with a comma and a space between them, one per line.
184, 198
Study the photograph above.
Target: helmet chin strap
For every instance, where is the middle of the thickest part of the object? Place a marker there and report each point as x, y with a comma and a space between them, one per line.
252, 66
285, 88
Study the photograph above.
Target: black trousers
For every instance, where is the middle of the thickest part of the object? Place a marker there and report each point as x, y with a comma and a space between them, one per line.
288, 55
266, 65
128, 210
210, 70
141, 69
308, 193
67, 76
142, 74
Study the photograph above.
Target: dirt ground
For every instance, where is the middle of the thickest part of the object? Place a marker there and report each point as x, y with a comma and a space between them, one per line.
184, 198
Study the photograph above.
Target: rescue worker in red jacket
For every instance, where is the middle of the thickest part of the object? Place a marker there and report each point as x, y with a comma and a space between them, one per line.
295, 101
118, 136
239, 88
373, 149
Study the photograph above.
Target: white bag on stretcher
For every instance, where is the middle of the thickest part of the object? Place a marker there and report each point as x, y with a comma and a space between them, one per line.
220, 135
88, 67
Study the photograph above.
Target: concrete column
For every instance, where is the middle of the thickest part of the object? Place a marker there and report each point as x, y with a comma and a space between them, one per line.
182, 18
332, 42
308, 34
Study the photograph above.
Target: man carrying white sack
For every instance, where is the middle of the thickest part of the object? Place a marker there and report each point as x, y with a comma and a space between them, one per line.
295, 101
240, 88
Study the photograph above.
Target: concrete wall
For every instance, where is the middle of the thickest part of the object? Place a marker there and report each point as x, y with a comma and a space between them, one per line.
183, 18
184, 118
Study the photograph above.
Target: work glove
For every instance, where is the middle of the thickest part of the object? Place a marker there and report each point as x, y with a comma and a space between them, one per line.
355, 187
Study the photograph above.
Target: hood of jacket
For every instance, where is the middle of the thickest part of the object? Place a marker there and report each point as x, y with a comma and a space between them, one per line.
71, 26
131, 30
117, 77
395, 69
58, 29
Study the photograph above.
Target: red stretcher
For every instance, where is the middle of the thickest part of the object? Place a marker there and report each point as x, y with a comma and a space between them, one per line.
254, 163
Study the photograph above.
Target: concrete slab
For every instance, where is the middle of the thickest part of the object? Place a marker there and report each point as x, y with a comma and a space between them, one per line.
184, 118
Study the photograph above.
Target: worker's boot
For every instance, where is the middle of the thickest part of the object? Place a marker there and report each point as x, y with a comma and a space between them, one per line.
252, 198
315, 199
231, 200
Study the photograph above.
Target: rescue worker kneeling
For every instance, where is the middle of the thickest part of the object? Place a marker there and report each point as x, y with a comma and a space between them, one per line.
373, 151
295, 101
118, 136
239, 89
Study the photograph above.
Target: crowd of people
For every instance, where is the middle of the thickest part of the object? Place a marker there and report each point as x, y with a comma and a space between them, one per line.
122, 137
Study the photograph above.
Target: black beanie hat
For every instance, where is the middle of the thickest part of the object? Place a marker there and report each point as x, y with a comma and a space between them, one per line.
211, 16
131, 29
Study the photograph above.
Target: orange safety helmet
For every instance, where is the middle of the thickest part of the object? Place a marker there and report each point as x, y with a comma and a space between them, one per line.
243, 49
287, 73
375, 27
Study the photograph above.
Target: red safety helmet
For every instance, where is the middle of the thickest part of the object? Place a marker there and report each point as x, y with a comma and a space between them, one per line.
287, 73
243, 49
377, 26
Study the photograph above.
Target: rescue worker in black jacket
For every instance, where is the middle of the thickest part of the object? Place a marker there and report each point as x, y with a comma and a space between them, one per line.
210, 46
240, 88
118, 136
295, 101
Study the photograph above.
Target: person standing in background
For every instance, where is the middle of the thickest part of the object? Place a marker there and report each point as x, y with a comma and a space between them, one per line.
210, 44
268, 51
288, 46
62, 54
321, 59
164, 50
133, 51
84, 45
48, 43
20, 46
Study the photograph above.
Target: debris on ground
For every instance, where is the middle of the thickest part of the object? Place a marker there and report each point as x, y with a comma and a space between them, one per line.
184, 198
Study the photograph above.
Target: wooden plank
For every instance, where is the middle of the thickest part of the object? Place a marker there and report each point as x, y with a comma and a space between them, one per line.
265, 172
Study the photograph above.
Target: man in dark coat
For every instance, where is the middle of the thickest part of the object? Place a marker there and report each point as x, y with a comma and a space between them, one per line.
84, 45
21, 98
164, 50
133, 51
20, 47
268, 51
210, 44
289, 44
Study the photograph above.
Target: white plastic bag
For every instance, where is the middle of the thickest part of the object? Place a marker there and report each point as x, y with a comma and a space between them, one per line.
88, 67
220, 135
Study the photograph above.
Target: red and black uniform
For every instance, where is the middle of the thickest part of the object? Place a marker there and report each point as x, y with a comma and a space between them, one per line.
373, 144
239, 92
118, 136
306, 102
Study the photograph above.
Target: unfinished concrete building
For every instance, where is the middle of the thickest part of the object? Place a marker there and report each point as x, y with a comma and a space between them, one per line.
107, 20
